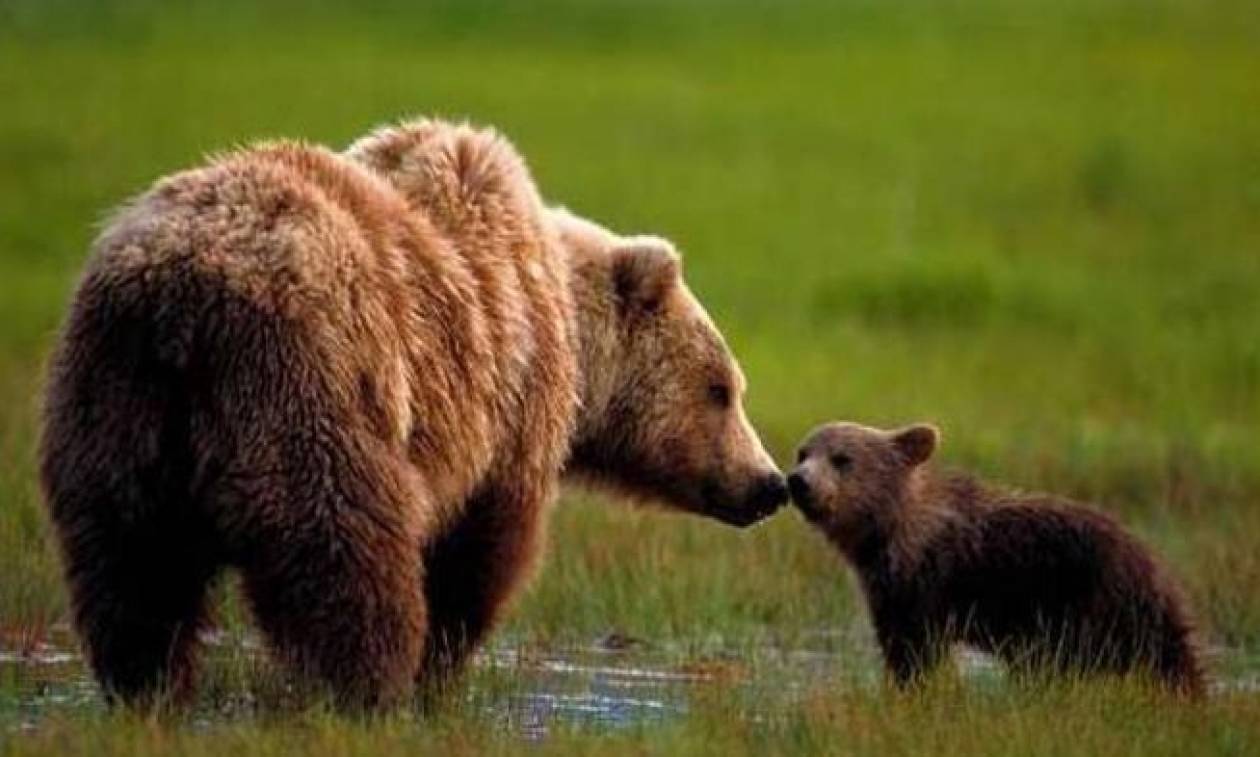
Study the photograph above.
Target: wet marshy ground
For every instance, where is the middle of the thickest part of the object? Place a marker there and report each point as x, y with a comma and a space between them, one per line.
612, 683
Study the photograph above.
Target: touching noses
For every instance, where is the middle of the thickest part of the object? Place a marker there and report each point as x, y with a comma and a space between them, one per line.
770, 493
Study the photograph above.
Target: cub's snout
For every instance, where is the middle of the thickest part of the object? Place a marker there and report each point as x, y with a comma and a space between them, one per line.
799, 488
805, 495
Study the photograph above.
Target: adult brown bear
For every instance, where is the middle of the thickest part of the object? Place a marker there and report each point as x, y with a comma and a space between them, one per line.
357, 379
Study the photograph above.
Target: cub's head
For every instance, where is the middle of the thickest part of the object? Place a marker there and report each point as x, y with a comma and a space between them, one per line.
662, 407
849, 477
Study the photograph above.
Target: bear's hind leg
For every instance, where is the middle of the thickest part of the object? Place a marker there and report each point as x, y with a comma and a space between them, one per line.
339, 605
139, 593
317, 510
332, 571
117, 468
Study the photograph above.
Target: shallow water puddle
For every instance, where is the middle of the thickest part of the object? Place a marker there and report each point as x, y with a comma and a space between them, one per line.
43, 676
585, 689
528, 691
524, 690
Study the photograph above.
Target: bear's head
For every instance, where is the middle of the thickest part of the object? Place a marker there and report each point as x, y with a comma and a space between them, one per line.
662, 417
849, 477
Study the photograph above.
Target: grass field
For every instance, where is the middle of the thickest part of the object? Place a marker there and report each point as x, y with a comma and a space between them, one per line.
1035, 222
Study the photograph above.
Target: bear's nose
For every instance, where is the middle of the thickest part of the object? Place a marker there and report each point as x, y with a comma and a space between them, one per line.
799, 487
770, 493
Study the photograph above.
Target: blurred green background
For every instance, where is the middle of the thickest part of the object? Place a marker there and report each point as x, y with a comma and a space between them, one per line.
1035, 222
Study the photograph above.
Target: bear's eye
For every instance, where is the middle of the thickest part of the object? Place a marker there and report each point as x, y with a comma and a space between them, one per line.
841, 461
720, 395
801, 454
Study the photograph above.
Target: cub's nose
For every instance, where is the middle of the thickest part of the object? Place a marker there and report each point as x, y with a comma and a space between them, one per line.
799, 488
771, 492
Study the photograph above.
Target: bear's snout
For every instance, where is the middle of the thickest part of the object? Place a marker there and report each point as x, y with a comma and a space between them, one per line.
760, 499
769, 494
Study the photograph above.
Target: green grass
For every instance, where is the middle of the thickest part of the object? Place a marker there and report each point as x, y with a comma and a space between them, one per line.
1070, 718
1036, 223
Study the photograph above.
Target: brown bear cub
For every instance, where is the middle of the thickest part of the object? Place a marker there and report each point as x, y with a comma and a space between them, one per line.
1040, 582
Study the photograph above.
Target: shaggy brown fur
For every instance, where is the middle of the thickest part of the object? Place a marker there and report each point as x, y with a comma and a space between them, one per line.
1041, 582
357, 378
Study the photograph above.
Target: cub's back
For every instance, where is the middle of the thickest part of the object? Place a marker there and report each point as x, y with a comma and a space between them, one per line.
1054, 563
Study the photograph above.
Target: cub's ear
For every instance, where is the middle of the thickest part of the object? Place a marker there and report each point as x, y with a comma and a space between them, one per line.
644, 271
916, 443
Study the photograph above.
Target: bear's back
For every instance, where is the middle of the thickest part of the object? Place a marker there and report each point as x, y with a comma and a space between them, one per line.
420, 344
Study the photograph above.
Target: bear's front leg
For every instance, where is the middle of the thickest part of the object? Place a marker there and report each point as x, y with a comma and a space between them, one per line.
472, 572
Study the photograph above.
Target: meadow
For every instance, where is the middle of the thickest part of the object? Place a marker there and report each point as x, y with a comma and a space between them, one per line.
1035, 223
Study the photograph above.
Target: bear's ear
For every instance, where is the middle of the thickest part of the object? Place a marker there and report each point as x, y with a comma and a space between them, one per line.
644, 271
916, 443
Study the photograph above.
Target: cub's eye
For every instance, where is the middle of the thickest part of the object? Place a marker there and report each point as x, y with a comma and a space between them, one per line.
801, 454
720, 395
841, 461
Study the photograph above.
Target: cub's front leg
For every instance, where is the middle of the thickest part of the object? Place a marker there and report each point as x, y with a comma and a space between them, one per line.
911, 651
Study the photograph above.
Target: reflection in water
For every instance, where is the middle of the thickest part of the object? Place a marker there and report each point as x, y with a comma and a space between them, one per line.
44, 677
584, 689
528, 693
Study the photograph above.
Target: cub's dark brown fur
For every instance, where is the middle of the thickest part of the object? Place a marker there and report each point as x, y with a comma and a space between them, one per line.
1043, 583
